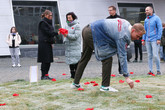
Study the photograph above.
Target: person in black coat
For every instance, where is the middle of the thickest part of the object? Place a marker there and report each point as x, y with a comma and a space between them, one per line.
45, 40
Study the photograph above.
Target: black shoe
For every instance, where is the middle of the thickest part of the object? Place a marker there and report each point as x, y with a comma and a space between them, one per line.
46, 78
140, 61
158, 73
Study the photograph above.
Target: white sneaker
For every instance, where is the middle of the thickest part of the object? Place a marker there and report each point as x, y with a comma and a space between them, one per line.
75, 86
13, 65
102, 88
19, 65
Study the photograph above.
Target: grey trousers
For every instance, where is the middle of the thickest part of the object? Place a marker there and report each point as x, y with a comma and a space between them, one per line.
86, 55
15, 55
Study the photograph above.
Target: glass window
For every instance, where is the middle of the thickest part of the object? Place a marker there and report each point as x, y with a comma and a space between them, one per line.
27, 15
133, 12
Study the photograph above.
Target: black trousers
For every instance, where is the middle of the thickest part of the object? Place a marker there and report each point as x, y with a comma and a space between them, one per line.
73, 68
86, 55
45, 68
138, 46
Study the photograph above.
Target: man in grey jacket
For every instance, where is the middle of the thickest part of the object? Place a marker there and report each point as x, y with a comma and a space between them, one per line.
107, 37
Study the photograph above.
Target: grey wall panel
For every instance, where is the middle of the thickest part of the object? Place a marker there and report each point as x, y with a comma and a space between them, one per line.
86, 10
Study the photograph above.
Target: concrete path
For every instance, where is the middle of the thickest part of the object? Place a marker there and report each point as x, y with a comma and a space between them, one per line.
59, 67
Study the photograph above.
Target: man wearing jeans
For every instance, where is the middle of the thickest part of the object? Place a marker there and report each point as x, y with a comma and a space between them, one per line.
153, 27
107, 37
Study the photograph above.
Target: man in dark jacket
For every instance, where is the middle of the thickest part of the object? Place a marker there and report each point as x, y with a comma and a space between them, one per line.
46, 39
112, 12
113, 15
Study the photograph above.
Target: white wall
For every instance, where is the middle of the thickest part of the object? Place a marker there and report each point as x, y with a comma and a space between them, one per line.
6, 21
87, 11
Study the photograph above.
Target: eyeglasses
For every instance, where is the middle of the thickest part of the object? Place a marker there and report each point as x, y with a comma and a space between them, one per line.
110, 10
50, 15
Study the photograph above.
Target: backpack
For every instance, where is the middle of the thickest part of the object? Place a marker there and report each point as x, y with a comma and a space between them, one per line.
163, 38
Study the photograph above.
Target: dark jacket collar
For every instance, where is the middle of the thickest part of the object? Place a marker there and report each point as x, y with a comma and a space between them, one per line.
47, 20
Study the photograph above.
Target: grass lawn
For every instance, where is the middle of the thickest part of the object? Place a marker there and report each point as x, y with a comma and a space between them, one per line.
58, 95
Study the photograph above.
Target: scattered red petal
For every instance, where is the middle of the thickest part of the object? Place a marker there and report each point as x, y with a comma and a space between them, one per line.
72, 27
153, 74
63, 74
95, 84
2, 104
113, 75
137, 81
148, 96
15, 94
53, 79
121, 81
46, 74
150, 73
131, 72
86, 83
89, 109
80, 89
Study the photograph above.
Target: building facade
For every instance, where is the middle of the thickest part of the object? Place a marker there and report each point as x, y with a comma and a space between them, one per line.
25, 15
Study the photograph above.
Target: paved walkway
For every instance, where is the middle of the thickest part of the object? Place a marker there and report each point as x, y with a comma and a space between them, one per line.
93, 69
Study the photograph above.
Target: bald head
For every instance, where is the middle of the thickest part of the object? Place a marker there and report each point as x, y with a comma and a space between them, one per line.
149, 11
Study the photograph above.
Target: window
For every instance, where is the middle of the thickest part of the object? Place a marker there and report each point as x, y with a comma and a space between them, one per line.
27, 15
133, 12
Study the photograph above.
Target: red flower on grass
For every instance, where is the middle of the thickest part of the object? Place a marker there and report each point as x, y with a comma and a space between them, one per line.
89, 109
137, 81
131, 72
86, 83
148, 96
53, 79
2, 104
63, 74
113, 75
15, 94
80, 89
95, 84
121, 81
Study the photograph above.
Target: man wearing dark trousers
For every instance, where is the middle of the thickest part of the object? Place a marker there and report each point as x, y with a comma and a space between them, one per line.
107, 37
113, 15
138, 46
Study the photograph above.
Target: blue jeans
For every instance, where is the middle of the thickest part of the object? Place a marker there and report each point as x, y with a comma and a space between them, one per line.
152, 51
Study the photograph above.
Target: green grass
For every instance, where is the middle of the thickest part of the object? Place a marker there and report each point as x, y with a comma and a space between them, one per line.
49, 95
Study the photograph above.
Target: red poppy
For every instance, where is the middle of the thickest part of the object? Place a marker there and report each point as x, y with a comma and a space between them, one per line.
137, 81
95, 84
80, 89
63, 74
15, 94
63, 31
46, 74
148, 96
53, 79
86, 83
113, 75
153, 74
72, 27
131, 72
121, 81
2, 104
89, 109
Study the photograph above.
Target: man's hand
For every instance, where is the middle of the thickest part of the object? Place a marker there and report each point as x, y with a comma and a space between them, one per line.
143, 43
158, 41
130, 82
